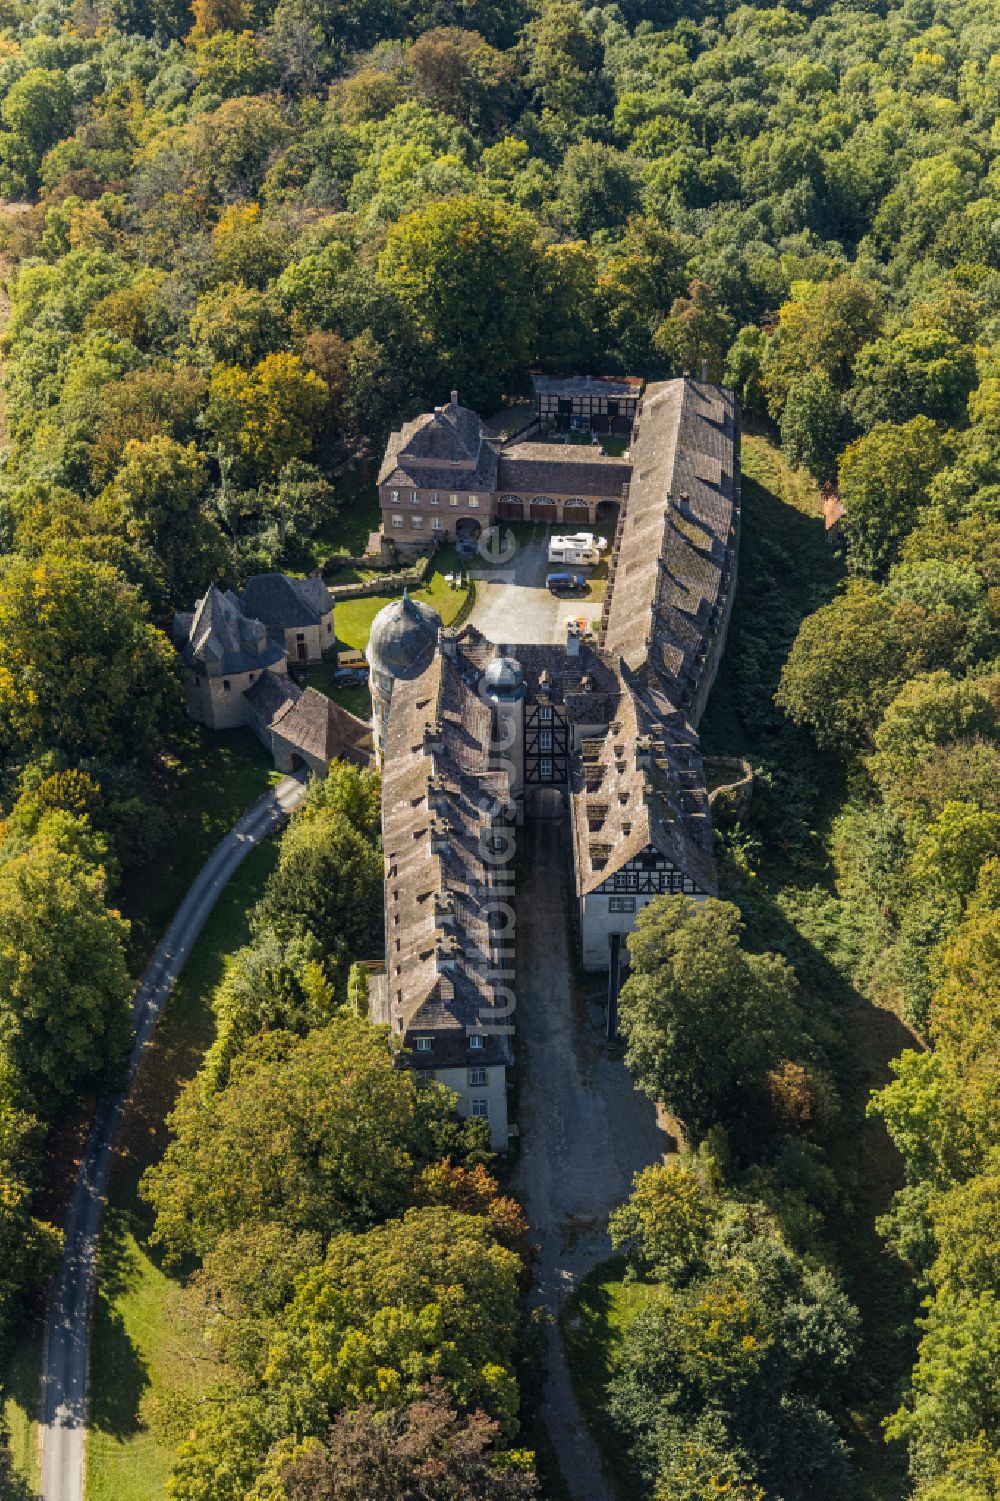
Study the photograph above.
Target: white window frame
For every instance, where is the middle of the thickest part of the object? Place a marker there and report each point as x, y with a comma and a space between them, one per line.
545, 768
435, 498
417, 523
414, 497
545, 713
545, 740
479, 1109
424, 1044
478, 1078
477, 1040
473, 502
397, 521
437, 525
394, 497
453, 500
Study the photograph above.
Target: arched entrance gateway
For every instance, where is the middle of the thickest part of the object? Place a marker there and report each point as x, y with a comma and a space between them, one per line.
468, 529
575, 512
545, 803
607, 516
510, 508
543, 508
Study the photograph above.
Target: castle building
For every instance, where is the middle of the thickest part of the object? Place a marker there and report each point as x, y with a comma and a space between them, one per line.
234, 668
442, 475
475, 736
300, 609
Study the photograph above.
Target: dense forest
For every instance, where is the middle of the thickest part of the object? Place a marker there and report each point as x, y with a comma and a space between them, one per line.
242, 240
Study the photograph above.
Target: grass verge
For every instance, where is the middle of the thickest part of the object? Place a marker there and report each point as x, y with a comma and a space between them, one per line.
592, 1325
19, 1422
147, 1358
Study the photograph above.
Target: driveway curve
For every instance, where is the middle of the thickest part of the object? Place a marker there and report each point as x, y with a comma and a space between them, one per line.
67, 1332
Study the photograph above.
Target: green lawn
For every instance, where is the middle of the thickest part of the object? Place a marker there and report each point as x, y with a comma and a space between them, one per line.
20, 1407
147, 1358
592, 1324
355, 700
353, 617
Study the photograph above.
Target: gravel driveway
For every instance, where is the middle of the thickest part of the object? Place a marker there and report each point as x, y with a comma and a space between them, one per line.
584, 1130
512, 602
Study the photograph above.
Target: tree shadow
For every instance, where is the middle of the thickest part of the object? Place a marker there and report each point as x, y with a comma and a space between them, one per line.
13, 1487
115, 1397
114, 1403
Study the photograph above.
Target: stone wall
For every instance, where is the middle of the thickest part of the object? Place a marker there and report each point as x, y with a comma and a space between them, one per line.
729, 798
384, 583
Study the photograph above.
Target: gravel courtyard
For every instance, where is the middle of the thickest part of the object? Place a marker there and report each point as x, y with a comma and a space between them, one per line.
512, 602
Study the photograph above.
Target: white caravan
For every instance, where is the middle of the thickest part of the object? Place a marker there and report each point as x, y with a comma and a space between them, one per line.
582, 549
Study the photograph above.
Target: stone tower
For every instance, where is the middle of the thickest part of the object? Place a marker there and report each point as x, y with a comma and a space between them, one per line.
403, 637
502, 687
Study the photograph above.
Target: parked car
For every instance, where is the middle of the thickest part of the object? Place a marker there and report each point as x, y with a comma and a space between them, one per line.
466, 548
350, 677
566, 583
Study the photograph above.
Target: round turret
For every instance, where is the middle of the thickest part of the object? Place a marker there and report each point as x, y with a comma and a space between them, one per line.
403, 635
503, 678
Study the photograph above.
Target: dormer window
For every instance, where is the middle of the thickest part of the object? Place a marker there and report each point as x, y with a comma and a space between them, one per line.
424, 1044
476, 1040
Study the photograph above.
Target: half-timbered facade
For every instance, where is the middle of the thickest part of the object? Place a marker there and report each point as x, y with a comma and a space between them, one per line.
588, 403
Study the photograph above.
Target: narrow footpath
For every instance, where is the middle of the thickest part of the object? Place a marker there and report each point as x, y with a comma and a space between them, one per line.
67, 1332
584, 1130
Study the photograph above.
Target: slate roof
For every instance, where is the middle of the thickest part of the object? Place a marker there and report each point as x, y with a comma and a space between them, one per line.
586, 385
441, 450
308, 721
285, 603
439, 800
675, 562
641, 786
218, 640
562, 469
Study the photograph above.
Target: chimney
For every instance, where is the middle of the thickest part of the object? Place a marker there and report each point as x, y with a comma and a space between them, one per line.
454, 398
433, 736
440, 835
444, 910
704, 372
572, 639
437, 794
446, 954
643, 752
448, 642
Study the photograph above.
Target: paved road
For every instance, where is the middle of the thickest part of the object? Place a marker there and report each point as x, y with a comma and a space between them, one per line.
584, 1130
513, 604
67, 1334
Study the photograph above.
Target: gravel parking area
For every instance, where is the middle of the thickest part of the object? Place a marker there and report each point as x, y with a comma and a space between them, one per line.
512, 602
